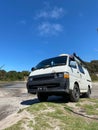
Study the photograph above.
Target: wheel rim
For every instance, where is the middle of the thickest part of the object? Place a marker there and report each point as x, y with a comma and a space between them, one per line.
76, 92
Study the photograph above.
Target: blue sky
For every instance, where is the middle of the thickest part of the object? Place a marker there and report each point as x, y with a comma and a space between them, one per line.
32, 30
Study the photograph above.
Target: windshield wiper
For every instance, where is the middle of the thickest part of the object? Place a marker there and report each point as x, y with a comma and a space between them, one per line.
43, 67
47, 66
60, 64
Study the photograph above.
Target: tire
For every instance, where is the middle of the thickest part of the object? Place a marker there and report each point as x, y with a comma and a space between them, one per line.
66, 97
87, 95
75, 94
42, 97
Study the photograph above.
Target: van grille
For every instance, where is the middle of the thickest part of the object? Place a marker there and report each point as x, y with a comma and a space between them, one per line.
43, 77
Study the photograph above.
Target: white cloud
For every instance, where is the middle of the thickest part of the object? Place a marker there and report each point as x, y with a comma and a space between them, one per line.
54, 13
42, 14
48, 29
57, 13
47, 20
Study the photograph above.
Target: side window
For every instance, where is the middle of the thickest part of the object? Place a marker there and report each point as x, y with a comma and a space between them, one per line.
81, 69
72, 63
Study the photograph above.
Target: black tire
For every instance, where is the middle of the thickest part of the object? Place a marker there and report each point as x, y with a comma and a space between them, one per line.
75, 94
66, 97
87, 95
42, 97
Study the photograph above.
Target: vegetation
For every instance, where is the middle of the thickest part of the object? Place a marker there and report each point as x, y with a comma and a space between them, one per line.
16, 126
93, 69
90, 107
13, 75
50, 116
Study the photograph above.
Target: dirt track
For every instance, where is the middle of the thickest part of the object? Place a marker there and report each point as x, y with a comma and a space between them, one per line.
11, 98
94, 90
14, 97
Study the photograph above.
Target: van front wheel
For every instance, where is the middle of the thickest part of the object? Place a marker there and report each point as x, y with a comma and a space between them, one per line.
75, 94
42, 97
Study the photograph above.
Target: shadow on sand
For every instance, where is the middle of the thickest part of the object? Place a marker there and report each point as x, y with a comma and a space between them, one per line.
54, 99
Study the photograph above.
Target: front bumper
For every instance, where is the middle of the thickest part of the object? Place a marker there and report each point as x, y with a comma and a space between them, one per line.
49, 85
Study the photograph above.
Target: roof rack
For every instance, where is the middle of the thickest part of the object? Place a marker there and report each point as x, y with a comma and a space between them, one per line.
78, 59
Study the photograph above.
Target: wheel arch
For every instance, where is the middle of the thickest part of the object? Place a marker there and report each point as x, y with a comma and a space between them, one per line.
89, 87
77, 84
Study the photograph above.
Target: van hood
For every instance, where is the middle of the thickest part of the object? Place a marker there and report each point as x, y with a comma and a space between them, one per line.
48, 70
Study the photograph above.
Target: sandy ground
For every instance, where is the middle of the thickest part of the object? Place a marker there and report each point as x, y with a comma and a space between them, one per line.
94, 90
14, 97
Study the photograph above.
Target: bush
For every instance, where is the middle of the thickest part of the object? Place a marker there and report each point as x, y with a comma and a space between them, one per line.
13, 75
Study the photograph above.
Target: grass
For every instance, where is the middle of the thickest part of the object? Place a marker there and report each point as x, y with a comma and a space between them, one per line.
16, 126
50, 116
91, 109
90, 106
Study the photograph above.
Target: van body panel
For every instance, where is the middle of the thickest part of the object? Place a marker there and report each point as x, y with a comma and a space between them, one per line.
55, 69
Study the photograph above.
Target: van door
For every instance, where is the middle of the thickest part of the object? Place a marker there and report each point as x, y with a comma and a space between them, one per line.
74, 73
83, 81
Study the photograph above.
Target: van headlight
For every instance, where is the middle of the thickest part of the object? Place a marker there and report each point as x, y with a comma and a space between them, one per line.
30, 79
59, 75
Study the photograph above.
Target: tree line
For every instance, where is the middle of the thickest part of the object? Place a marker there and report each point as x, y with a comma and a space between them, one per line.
93, 69
13, 75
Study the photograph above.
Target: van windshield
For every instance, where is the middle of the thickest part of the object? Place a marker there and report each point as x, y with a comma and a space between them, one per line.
56, 61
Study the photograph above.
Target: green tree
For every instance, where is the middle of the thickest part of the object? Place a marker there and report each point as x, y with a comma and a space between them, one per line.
3, 75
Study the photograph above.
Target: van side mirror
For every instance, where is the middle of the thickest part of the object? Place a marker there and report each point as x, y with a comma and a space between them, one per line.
32, 69
73, 64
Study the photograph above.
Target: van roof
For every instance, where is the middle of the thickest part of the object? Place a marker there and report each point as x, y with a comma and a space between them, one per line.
64, 55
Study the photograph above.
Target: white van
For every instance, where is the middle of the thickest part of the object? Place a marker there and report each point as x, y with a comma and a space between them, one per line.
62, 75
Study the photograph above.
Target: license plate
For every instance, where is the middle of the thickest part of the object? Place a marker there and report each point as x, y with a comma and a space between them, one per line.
42, 88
